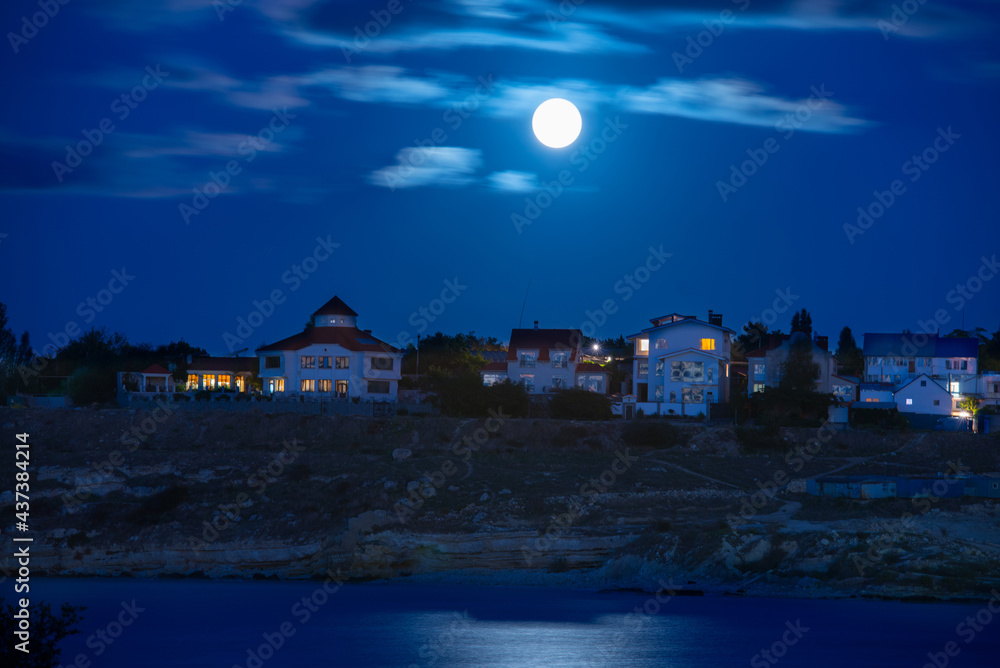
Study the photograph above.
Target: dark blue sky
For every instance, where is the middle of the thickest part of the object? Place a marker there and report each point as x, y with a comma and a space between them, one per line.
838, 96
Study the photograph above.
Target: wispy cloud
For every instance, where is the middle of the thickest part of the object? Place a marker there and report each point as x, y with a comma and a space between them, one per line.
738, 101
447, 166
513, 181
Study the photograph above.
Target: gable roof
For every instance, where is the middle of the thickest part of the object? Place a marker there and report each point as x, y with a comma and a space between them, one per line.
349, 338
681, 320
155, 370
544, 340
923, 376
335, 306
693, 351
905, 345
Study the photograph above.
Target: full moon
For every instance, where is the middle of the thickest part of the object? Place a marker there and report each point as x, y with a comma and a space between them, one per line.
557, 123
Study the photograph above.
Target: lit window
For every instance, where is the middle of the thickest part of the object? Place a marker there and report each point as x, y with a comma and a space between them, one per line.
341, 388
643, 345
342, 362
276, 385
208, 381
224, 381
192, 380
909, 402
758, 387
324, 384
240, 384
272, 362
308, 362
708, 344
308, 385
954, 388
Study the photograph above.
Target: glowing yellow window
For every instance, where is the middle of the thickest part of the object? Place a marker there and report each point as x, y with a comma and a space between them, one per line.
192, 380
643, 345
708, 344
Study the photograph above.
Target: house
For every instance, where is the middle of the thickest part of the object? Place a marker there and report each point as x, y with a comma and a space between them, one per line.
766, 367
923, 395
331, 359
155, 378
546, 360
681, 364
896, 360
232, 374
899, 358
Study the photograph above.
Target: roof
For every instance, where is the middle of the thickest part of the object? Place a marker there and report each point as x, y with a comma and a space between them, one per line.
905, 344
887, 387
335, 306
495, 366
155, 370
349, 338
853, 381
231, 364
923, 376
679, 321
544, 340
590, 367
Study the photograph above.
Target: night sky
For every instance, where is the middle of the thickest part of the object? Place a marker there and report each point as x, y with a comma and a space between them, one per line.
205, 149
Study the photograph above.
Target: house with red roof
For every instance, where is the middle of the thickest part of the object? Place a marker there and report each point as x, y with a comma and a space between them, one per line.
546, 360
331, 359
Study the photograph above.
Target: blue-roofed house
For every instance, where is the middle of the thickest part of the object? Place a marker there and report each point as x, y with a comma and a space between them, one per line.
896, 360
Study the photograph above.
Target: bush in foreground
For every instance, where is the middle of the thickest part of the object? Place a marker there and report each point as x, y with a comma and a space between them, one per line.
578, 404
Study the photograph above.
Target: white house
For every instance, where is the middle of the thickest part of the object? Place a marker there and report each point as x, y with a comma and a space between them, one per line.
766, 368
681, 364
546, 360
923, 395
894, 361
331, 359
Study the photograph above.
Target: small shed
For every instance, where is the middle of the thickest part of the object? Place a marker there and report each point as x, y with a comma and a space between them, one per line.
942, 487
983, 486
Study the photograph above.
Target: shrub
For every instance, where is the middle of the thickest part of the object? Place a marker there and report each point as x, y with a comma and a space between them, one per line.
180, 396
224, 397
653, 433
92, 385
579, 404
203, 395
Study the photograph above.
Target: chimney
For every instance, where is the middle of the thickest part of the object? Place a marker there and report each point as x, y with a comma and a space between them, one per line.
714, 318
823, 342
536, 324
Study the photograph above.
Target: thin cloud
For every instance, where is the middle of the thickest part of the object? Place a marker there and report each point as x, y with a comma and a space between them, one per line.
741, 102
513, 181
444, 166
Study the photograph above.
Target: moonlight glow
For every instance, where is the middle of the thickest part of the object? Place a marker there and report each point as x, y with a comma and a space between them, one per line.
556, 123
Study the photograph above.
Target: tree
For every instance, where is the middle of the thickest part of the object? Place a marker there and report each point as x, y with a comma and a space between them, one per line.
753, 337
802, 322
579, 404
8, 354
849, 356
801, 372
47, 631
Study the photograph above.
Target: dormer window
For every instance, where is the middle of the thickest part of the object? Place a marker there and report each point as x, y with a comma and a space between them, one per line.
559, 360
528, 360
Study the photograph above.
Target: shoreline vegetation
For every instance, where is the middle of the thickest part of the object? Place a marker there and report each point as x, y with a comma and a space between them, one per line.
708, 510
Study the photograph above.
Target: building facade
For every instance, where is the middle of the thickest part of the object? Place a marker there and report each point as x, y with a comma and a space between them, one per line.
681, 364
766, 368
331, 359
